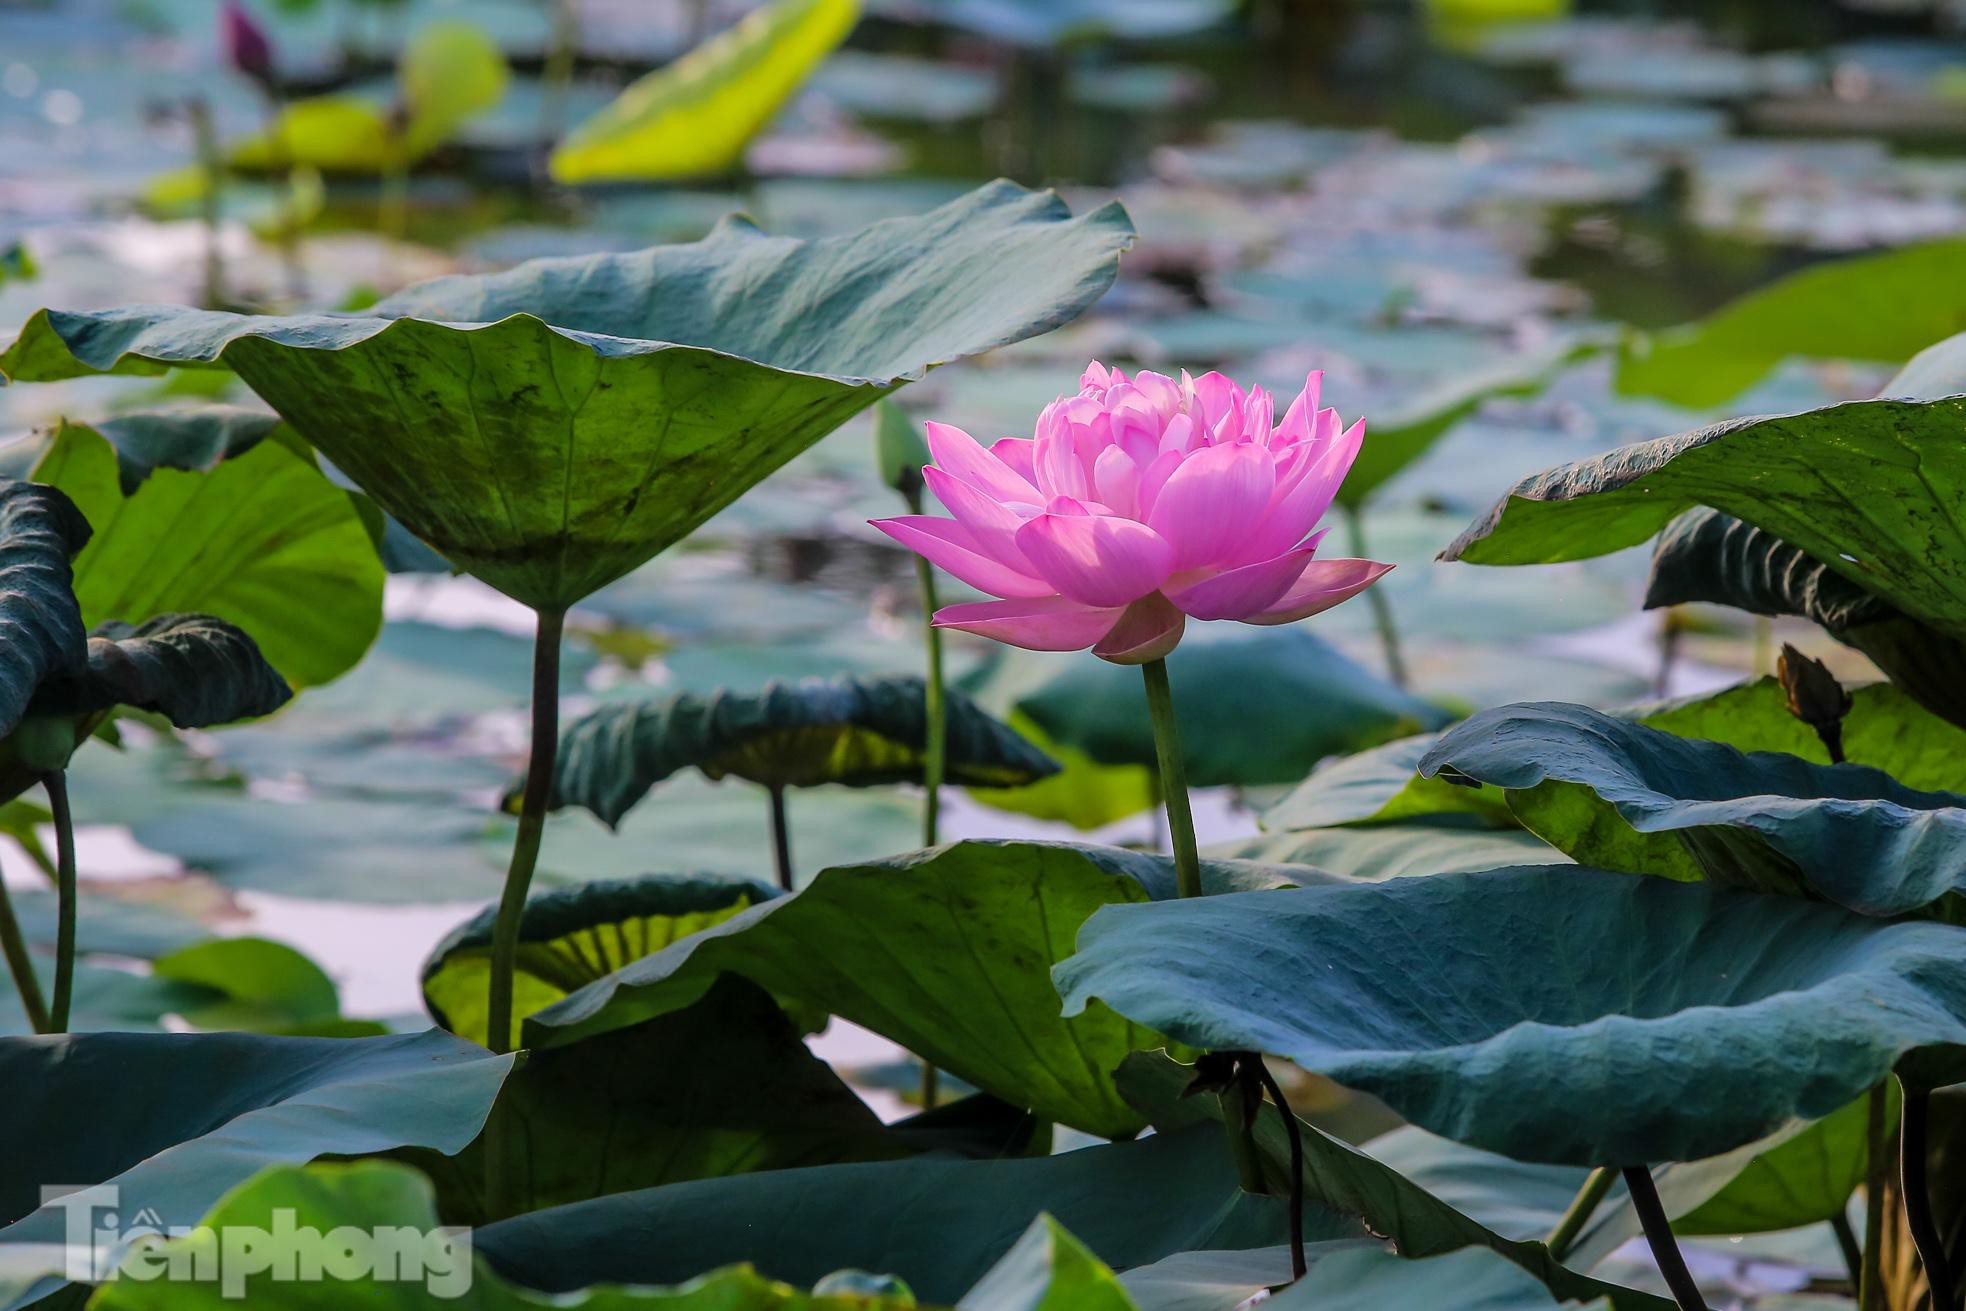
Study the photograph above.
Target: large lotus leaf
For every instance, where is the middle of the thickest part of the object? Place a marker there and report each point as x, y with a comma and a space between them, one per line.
1381, 786
194, 670
1801, 1180
1208, 1281
725, 1086
695, 116
196, 512
1370, 1279
1884, 308
1349, 1181
40, 530
1083, 793
1687, 808
257, 985
1230, 685
1707, 556
861, 732
1383, 851
1573, 1016
174, 1121
436, 1275
1873, 489
938, 1223
570, 937
553, 426
947, 952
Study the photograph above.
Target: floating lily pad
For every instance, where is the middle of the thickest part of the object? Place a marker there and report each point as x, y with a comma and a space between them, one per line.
1229, 684
694, 117
1035, 23
938, 1224
861, 732
551, 427
1869, 488
197, 511
945, 951
1462, 1001
570, 937
1626, 796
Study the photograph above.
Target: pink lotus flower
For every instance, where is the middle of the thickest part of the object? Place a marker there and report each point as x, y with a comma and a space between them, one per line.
1141, 503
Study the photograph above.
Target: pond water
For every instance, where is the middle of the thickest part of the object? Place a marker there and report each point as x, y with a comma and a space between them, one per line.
1372, 189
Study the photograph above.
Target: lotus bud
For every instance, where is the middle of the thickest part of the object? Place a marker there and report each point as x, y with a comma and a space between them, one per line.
900, 452
1814, 697
247, 47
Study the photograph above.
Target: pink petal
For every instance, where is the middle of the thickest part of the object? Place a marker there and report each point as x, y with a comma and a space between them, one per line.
1045, 623
958, 453
1099, 560
1146, 630
991, 523
1240, 593
1116, 478
1016, 453
948, 544
1213, 502
1324, 584
1297, 506
1296, 425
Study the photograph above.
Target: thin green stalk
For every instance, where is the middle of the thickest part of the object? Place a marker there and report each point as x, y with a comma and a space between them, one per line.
21, 965
532, 826
211, 163
1853, 1252
1912, 1159
1298, 1266
781, 837
1174, 779
1382, 608
558, 74
1658, 1233
936, 766
1582, 1207
55, 782
1870, 1283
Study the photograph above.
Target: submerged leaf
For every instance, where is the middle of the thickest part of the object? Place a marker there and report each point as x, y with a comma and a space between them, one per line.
861, 732
1525, 1010
695, 116
551, 427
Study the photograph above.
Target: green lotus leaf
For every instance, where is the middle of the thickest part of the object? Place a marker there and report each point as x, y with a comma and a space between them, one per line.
1525, 1011
938, 1224
1800, 1180
217, 1108
1228, 681
694, 117
1370, 1279
945, 951
1381, 785
1382, 851
208, 510
1207, 1281
1350, 1181
1039, 23
1083, 793
40, 531
725, 1086
1873, 489
1884, 308
860, 732
1707, 556
1686, 808
551, 427
1049, 1268
371, 1195
194, 670
261, 987
570, 937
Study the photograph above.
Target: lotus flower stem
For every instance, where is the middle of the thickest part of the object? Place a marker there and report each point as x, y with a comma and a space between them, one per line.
21, 966
1382, 609
1912, 1159
1582, 1208
1870, 1284
1658, 1232
1853, 1252
936, 764
55, 782
1174, 779
781, 838
532, 826
1298, 1266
